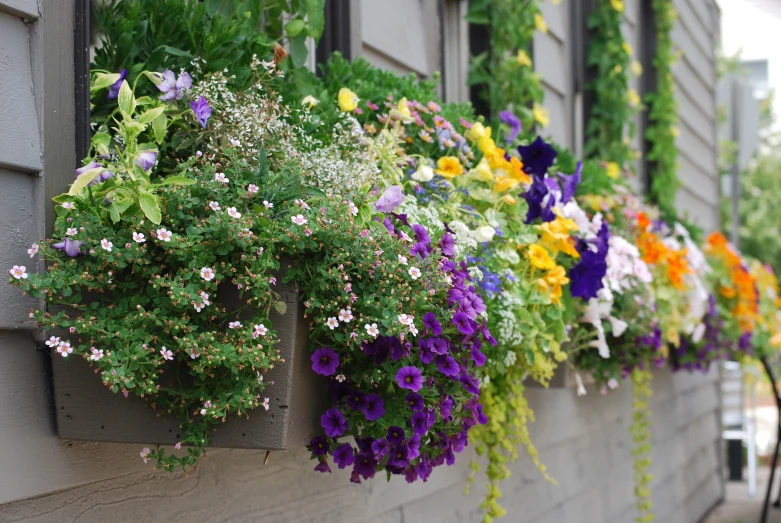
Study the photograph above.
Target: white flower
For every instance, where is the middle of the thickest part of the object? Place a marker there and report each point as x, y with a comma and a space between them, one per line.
204, 302
699, 332
96, 354
332, 323
19, 272
215, 206
581, 387
414, 272
299, 219
413, 330
139, 237
235, 143
345, 315
260, 376
340, 378
194, 354
402, 259
261, 329
612, 384
309, 101
406, 319
268, 205
302, 203
252, 189
164, 235
372, 329
423, 174
53, 342
510, 358
220, 177
166, 354
484, 234
107, 245
265, 403
233, 213
353, 208
234, 325
145, 454
618, 325
68, 205
207, 273
72, 231
64, 348
33, 250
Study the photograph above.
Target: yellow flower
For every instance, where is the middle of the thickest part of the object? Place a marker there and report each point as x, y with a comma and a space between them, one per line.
541, 115
612, 170
486, 144
627, 48
634, 98
540, 24
539, 257
675, 131
636, 68
618, 5
556, 235
310, 101
477, 131
509, 200
483, 171
449, 167
403, 108
523, 59
556, 276
555, 295
347, 99
617, 69
517, 172
496, 158
504, 184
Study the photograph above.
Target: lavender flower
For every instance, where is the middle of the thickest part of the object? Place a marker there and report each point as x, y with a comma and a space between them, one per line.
344, 455
431, 323
395, 435
448, 366
415, 401
569, 182
391, 198
92, 165
410, 378
420, 423
69, 247
509, 118
146, 159
380, 448
323, 466
325, 360
463, 323
113, 90
373, 407
448, 245
172, 87
333, 423
202, 110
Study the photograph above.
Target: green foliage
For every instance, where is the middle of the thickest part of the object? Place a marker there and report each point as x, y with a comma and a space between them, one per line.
640, 429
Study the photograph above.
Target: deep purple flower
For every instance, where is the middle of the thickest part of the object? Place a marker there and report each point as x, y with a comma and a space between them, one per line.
477, 356
415, 401
319, 445
399, 456
323, 466
586, 275
172, 87
463, 323
419, 248
413, 447
420, 423
469, 383
325, 360
539, 201
437, 345
445, 407
431, 323
69, 247
380, 448
344, 456
333, 423
569, 182
448, 245
537, 157
355, 400
426, 354
113, 90
395, 435
391, 198
423, 469
448, 366
146, 159
411, 474
373, 407
509, 118
388, 224
364, 466
421, 234
202, 110
479, 415
450, 458
410, 378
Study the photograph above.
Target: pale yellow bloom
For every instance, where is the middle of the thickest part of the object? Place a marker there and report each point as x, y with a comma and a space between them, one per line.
482, 171
509, 200
347, 100
618, 5
612, 170
617, 69
310, 101
627, 48
477, 131
403, 108
636, 68
503, 183
523, 59
634, 98
541, 115
540, 24
675, 131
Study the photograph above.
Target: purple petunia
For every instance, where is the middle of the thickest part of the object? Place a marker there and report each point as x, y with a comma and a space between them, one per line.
448, 245
319, 445
202, 110
399, 456
172, 87
421, 234
420, 423
586, 275
508, 118
373, 407
569, 182
364, 466
448, 366
419, 248
71, 248
395, 435
537, 157
410, 378
391, 198
539, 201
344, 455
355, 400
113, 90
445, 407
431, 324
415, 401
380, 447
477, 356
146, 159
325, 360
463, 323
469, 383
323, 466
333, 423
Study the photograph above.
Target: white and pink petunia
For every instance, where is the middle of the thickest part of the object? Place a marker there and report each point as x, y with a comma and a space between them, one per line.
164, 234
233, 213
106, 245
207, 273
414, 272
345, 315
252, 189
214, 206
33, 250
372, 329
19, 272
332, 323
139, 237
167, 355
299, 219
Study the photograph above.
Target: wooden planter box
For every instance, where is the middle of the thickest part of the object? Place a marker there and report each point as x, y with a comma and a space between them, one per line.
87, 410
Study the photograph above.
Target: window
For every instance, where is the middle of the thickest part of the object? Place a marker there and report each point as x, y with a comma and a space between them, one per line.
337, 32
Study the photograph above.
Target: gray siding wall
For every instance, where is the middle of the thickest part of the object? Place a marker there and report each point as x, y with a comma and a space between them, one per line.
584, 441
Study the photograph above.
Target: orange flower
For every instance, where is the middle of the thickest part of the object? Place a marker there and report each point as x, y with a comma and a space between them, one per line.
642, 221
677, 267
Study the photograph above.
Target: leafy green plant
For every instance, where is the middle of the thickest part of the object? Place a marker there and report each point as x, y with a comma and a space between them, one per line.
640, 429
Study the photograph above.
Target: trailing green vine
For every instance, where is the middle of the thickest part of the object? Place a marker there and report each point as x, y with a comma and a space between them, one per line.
640, 429
663, 115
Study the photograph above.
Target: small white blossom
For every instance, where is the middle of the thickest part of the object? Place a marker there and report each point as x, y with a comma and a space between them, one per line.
145, 454
353, 208
71, 231
402, 259
107, 245
252, 189
194, 354
233, 213
68, 205
96, 354
268, 205
265, 403
19, 272
53, 342
139, 237
164, 235
414, 272
261, 329
207, 273
299, 219
302, 204
406, 319
332, 323
33, 250
345, 315
166, 354
204, 302
64, 348
260, 376
234, 325
215, 206
340, 378
372, 329
220, 177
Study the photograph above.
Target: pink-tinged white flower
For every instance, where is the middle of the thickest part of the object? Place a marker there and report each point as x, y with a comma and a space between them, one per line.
261, 329
234, 325
581, 387
71, 231
402, 259
96, 354
268, 205
19, 272
260, 376
68, 205
348, 287
272, 281
260, 250
353, 297
178, 445
265, 403
52, 342
220, 177
64, 348
233, 213
198, 154
207, 273
235, 143
204, 302
612, 384
139, 237
299, 219
353, 335
252, 189
353, 208
166, 354
215, 206
302, 203
414, 272
208, 404
203, 412
195, 354
308, 232
405, 237
72, 330
106, 245
33, 250
332, 323
145, 454
345, 315
413, 330
406, 319
164, 235
340, 378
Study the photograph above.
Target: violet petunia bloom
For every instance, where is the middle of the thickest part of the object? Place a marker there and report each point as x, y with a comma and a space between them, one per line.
325, 360
410, 378
391, 198
469, 383
420, 423
319, 445
202, 110
586, 275
431, 323
146, 159
365, 466
69, 247
399, 457
333, 423
448, 366
445, 407
537, 156
380, 447
415, 401
509, 118
92, 165
113, 90
172, 87
569, 182
463, 323
344, 455
373, 407
539, 200
421, 234
355, 400
323, 466
448, 245
395, 435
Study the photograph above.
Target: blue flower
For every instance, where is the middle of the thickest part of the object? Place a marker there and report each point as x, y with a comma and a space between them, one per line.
537, 156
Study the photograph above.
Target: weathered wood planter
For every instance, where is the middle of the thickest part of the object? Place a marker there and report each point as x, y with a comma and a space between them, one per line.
87, 410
